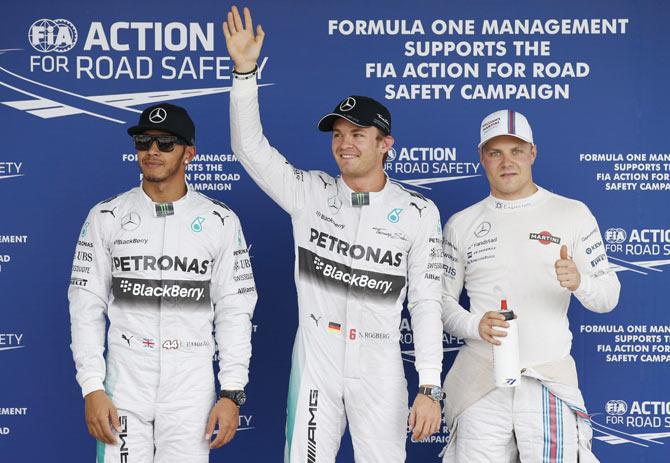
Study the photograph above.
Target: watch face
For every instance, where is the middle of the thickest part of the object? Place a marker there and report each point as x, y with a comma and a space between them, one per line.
436, 393
239, 397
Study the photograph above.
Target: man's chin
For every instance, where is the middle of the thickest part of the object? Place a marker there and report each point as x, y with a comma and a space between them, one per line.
152, 178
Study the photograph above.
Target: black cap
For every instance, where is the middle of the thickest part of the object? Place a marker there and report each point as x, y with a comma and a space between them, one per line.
168, 118
359, 110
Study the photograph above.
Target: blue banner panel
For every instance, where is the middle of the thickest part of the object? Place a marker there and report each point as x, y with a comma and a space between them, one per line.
590, 76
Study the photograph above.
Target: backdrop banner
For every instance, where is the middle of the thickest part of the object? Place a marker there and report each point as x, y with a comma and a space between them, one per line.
591, 77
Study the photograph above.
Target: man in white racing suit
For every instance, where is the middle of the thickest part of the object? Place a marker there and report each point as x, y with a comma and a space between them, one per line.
167, 265
362, 244
535, 249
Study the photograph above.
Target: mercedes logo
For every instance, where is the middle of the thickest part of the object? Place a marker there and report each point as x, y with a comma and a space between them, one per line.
483, 229
131, 221
334, 203
348, 104
158, 115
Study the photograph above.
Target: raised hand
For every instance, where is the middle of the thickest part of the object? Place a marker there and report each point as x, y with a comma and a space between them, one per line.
566, 271
243, 46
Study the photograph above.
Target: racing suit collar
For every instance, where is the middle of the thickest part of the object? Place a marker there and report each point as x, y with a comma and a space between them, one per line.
176, 206
346, 194
505, 206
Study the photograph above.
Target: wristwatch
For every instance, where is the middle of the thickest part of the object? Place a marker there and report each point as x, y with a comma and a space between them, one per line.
434, 392
238, 397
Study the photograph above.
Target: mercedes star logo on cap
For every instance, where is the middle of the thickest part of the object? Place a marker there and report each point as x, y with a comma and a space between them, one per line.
348, 104
158, 115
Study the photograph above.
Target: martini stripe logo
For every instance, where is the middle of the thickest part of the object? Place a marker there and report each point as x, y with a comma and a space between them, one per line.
545, 237
185, 292
360, 282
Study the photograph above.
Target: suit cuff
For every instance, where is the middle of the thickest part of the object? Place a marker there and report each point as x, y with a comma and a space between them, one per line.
90, 385
585, 287
244, 85
429, 377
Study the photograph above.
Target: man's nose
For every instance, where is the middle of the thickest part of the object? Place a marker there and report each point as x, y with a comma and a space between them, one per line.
347, 140
153, 148
507, 158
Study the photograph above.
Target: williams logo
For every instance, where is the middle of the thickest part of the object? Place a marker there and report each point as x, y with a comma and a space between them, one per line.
47, 35
545, 238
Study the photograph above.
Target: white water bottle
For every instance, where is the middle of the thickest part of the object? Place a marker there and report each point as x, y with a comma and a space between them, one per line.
506, 368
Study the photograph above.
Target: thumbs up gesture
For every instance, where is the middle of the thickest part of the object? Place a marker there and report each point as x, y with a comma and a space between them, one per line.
566, 271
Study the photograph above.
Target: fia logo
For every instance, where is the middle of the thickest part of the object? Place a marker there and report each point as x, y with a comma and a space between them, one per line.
48, 35
615, 235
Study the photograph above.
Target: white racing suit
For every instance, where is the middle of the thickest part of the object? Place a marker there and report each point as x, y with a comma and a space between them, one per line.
507, 250
166, 276
354, 265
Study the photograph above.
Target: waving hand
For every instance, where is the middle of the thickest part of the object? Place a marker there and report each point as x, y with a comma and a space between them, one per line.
243, 46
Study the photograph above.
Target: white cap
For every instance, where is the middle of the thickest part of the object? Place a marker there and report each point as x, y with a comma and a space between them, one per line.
505, 122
